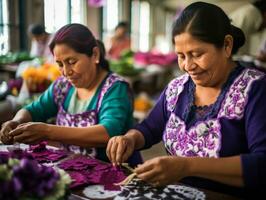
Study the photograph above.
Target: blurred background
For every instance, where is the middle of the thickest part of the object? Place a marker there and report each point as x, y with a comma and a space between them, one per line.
149, 20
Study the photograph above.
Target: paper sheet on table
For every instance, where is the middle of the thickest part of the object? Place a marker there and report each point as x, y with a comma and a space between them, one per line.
4, 147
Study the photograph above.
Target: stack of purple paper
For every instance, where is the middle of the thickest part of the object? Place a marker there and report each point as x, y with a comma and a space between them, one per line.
46, 155
84, 170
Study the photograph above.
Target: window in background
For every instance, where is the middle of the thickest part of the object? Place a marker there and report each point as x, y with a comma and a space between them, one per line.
169, 19
140, 25
4, 38
144, 39
61, 12
55, 14
78, 11
110, 18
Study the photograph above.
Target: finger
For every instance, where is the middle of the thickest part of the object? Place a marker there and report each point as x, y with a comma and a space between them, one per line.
146, 166
30, 140
13, 124
148, 176
6, 140
156, 180
4, 124
25, 125
108, 148
120, 152
127, 154
20, 125
5, 129
21, 138
5, 134
17, 131
156, 183
10, 125
113, 152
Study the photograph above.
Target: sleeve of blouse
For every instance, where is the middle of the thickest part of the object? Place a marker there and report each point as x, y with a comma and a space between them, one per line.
44, 107
254, 162
116, 112
153, 126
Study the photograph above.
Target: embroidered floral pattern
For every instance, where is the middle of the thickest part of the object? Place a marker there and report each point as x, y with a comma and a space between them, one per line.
204, 138
61, 87
84, 119
235, 100
201, 140
175, 87
88, 118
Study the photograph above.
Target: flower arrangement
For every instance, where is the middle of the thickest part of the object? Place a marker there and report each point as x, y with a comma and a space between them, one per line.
22, 178
143, 103
38, 79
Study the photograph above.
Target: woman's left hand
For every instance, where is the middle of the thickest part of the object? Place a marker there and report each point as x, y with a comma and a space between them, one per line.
30, 133
162, 170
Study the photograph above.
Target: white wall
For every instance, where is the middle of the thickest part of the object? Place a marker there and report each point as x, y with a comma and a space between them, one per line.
228, 6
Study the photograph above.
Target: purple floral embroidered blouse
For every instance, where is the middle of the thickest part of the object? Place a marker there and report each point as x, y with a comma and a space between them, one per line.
234, 125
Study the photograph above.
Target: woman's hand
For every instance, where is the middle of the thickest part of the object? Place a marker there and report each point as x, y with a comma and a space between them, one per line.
262, 57
162, 170
30, 133
8, 126
119, 149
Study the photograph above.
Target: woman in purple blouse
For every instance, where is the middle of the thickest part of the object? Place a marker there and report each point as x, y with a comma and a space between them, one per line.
211, 119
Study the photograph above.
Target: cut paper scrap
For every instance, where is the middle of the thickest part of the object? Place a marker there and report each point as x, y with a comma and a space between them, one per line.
89, 171
138, 189
43, 154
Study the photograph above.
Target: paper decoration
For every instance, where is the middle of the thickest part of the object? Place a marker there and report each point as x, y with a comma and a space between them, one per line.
96, 3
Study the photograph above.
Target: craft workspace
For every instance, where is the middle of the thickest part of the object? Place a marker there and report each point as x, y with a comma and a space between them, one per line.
132, 99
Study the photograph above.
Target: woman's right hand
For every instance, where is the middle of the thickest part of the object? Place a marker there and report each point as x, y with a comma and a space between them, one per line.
8, 126
119, 148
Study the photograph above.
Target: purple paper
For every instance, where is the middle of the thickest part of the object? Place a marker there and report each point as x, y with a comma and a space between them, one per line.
95, 177
113, 175
79, 163
112, 187
82, 169
44, 155
38, 147
86, 170
78, 179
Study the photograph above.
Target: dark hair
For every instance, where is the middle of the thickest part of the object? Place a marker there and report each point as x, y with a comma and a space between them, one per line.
79, 38
36, 29
261, 5
103, 61
208, 23
121, 25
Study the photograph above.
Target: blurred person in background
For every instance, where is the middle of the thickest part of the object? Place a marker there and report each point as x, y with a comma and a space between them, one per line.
40, 40
262, 53
251, 18
119, 42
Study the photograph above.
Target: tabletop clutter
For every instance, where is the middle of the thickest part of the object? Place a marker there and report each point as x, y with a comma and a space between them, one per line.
45, 168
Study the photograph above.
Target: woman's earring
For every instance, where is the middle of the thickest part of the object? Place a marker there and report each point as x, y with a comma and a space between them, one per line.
97, 61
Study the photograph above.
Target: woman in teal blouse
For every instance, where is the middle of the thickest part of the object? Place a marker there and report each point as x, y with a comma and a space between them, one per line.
90, 103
